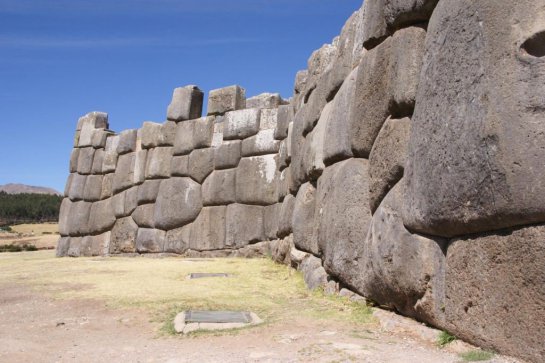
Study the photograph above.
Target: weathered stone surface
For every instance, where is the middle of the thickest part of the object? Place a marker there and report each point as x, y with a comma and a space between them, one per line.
217, 136
95, 119
297, 142
265, 100
110, 156
303, 219
85, 160
98, 140
158, 162
244, 225
123, 239
177, 240
313, 152
285, 115
150, 240
131, 200
98, 160
127, 141
495, 290
285, 226
283, 186
147, 192
107, 186
101, 217
343, 217
95, 245
183, 141
271, 215
124, 173
226, 99
241, 124
201, 164
78, 223
387, 159
168, 133
152, 134
118, 205
488, 163
260, 144
280, 250
74, 247
203, 132
65, 217
401, 269
77, 187
283, 160
227, 155
314, 274
179, 165
140, 164
256, 180
268, 119
144, 215
63, 244
74, 160
386, 85
208, 230
186, 104
178, 203
219, 188
68, 184
93, 188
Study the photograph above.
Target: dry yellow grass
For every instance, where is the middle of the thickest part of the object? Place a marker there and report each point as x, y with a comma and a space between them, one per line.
37, 229
273, 291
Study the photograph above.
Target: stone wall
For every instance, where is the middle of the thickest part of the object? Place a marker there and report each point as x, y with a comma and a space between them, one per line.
407, 167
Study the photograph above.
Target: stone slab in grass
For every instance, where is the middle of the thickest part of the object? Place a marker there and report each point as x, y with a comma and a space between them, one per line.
202, 275
193, 320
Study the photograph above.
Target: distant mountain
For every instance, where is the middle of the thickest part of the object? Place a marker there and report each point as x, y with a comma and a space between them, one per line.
21, 188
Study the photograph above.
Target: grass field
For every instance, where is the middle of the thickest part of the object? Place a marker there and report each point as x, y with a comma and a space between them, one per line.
275, 292
38, 228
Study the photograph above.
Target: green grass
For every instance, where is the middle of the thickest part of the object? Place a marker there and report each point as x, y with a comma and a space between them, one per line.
476, 356
159, 286
17, 248
445, 338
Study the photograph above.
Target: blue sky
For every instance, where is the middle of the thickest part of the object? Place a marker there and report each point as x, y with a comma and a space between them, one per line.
60, 59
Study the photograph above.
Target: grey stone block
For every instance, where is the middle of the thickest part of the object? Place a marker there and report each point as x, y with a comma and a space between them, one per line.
177, 240
98, 160
219, 187
77, 187
268, 119
124, 173
313, 151
257, 180
144, 216
201, 164
168, 134
261, 144
179, 165
271, 216
97, 245
68, 184
95, 119
303, 222
297, 143
179, 202
286, 114
186, 104
227, 155
74, 247
131, 200
283, 186
98, 140
85, 160
101, 217
208, 230
183, 141
152, 134
226, 99
158, 162
110, 154
79, 218
314, 274
283, 160
93, 188
64, 217
265, 100
285, 226
147, 192
118, 205
150, 240
63, 244
241, 124
203, 131
107, 186
74, 160
244, 225
387, 159
127, 141
123, 238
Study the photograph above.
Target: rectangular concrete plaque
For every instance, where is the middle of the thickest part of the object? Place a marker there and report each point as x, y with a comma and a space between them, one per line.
195, 316
200, 275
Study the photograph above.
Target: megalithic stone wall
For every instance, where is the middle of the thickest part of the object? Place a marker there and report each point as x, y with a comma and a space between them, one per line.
408, 167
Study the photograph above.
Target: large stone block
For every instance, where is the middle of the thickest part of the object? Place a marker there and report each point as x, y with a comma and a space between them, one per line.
74, 247
271, 216
74, 156
227, 155
183, 141
179, 202
93, 188
179, 166
118, 205
147, 192
186, 104
123, 238
78, 221
219, 188
343, 217
127, 141
296, 149
285, 115
337, 145
101, 217
283, 186
226, 99
265, 100
85, 160
98, 140
68, 184
64, 217
244, 225
95, 119
387, 159
168, 134
77, 187
97, 245
241, 124
260, 144
208, 230
150, 240
495, 290
268, 119
151, 134
201, 164
158, 162
203, 132
98, 160
386, 85
400, 269
177, 240
304, 237
313, 152
285, 225
109, 162
131, 200
257, 180
63, 244
283, 160
485, 81
144, 216
107, 186
124, 173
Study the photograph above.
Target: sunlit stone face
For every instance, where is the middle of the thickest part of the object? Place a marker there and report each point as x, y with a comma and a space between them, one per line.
477, 149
